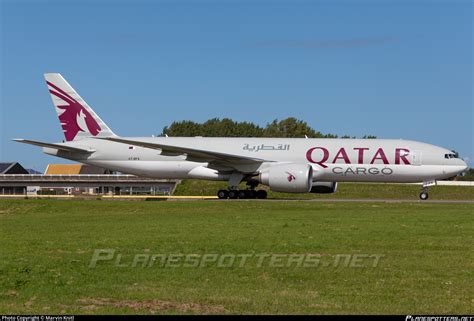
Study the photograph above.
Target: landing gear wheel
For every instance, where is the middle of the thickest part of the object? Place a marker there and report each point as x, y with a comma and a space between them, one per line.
243, 194
424, 196
233, 194
261, 194
223, 194
251, 193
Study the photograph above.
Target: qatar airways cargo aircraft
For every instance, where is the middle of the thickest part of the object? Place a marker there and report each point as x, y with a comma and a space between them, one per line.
294, 165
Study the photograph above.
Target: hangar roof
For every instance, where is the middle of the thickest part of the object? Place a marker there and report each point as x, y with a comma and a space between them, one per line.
73, 169
12, 168
5, 166
63, 169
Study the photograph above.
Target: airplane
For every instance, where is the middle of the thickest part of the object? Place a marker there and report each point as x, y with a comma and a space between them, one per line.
291, 165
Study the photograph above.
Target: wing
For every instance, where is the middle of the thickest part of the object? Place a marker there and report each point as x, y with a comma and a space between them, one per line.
192, 153
55, 146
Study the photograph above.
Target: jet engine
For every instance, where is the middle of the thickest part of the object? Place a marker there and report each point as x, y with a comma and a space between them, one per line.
289, 178
324, 187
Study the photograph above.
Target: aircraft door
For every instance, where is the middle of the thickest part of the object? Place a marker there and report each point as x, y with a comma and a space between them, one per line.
415, 158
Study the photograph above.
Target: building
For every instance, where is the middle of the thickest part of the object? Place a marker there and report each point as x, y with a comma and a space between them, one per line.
92, 180
10, 169
79, 179
74, 169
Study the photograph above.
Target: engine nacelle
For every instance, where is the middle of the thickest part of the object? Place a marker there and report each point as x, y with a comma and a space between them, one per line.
288, 178
324, 187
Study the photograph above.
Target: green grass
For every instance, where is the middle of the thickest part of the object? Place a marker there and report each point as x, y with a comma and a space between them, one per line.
345, 190
47, 245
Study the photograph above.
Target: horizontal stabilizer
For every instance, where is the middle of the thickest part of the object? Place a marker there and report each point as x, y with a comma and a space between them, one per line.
55, 146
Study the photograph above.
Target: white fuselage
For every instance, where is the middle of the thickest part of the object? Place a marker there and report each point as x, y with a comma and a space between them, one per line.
332, 160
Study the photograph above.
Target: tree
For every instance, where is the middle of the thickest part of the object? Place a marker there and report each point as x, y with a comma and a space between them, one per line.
215, 127
290, 127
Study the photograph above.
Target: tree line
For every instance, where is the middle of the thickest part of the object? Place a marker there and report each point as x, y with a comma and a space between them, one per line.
216, 127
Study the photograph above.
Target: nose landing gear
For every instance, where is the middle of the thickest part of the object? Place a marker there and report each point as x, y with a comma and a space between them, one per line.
424, 192
424, 195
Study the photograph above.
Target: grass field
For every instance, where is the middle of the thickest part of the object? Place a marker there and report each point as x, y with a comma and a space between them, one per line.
344, 190
426, 266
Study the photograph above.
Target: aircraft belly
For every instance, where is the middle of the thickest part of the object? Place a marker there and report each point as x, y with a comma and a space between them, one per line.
156, 169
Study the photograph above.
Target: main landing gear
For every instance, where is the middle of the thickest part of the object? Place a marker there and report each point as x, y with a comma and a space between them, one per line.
249, 193
242, 194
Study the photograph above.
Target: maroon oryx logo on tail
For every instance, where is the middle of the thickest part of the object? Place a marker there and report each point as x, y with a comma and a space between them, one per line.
72, 114
290, 177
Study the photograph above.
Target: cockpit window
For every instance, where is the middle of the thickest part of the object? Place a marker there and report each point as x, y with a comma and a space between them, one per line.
448, 156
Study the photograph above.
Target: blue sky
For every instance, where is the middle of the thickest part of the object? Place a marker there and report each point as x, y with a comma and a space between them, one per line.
394, 69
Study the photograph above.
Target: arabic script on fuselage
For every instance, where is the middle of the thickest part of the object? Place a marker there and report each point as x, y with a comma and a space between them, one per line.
263, 147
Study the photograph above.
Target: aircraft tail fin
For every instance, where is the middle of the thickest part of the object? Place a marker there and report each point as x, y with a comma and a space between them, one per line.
77, 118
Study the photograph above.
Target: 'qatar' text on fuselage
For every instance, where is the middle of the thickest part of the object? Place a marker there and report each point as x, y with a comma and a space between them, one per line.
362, 153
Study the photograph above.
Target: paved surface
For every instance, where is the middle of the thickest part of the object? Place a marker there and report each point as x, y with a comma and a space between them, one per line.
379, 200
193, 198
112, 197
